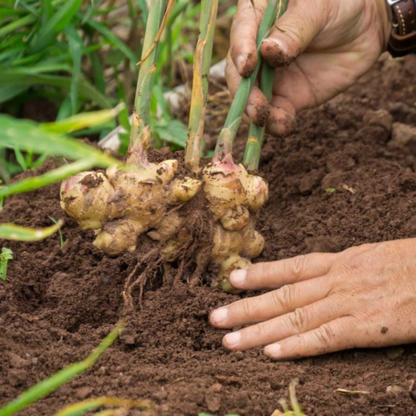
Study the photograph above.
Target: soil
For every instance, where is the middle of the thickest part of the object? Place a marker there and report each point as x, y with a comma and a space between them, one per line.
340, 181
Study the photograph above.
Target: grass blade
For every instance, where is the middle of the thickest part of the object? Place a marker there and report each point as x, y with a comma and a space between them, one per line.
21, 77
11, 27
27, 135
113, 40
7, 93
75, 48
49, 385
55, 25
88, 405
48, 178
17, 233
82, 121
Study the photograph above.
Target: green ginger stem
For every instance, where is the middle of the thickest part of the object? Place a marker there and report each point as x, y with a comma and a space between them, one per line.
141, 112
233, 121
202, 65
256, 133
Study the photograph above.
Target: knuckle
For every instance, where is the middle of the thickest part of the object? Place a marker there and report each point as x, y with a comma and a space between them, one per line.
297, 266
298, 320
325, 337
284, 297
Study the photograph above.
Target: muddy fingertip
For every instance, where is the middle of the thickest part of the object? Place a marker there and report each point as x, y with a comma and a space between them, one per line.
274, 53
283, 126
246, 63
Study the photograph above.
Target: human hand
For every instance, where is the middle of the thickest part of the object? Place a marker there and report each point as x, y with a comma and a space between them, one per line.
362, 297
319, 47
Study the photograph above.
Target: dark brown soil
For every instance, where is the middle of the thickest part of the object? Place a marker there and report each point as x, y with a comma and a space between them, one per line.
57, 305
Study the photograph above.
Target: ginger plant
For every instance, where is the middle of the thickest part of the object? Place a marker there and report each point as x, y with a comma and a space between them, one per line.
142, 197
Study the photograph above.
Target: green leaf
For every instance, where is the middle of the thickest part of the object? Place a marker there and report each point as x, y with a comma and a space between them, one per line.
17, 24
98, 71
7, 93
75, 47
86, 406
17, 233
20, 159
145, 12
48, 178
46, 10
49, 385
6, 254
82, 121
55, 25
330, 190
21, 77
27, 135
113, 40
174, 132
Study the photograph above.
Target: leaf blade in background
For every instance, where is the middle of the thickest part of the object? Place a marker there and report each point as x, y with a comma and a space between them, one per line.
16, 233
82, 121
52, 383
48, 178
113, 40
86, 406
75, 48
27, 135
55, 25
174, 132
22, 77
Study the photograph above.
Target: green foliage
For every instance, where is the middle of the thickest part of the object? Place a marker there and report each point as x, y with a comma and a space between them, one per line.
17, 233
5, 256
49, 385
61, 236
47, 139
87, 406
58, 48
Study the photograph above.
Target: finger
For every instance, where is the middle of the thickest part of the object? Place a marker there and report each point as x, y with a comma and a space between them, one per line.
293, 33
337, 335
270, 305
281, 123
243, 35
279, 273
232, 76
257, 104
300, 321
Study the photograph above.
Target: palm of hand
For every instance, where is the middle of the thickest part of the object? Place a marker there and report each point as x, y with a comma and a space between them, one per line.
345, 49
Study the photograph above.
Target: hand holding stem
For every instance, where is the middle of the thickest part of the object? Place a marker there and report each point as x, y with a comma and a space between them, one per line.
319, 48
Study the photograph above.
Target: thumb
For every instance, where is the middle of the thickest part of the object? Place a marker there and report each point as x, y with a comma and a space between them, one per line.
292, 33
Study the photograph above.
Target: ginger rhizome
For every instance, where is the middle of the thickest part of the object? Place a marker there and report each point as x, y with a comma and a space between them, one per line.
124, 203
178, 211
143, 198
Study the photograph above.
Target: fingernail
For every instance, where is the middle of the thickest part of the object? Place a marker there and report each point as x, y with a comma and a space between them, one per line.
273, 350
232, 339
238, 277
240, 61
219, 315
